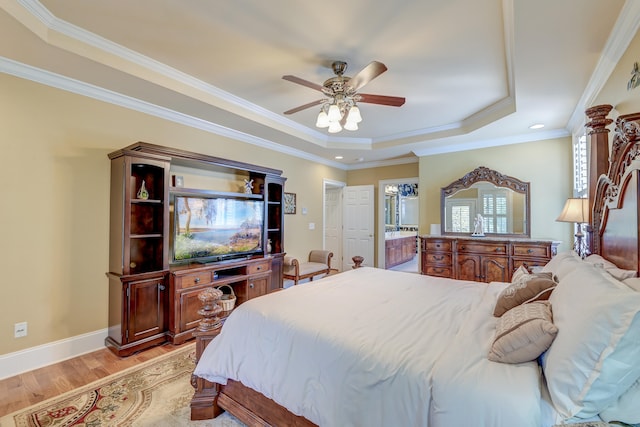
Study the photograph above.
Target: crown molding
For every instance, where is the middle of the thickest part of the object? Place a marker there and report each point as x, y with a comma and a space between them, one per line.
58, 81
494, 142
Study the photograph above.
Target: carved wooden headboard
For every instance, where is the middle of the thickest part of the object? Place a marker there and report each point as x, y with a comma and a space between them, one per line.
615, 222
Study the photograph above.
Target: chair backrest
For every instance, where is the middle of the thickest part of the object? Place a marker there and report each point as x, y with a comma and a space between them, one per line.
323, 257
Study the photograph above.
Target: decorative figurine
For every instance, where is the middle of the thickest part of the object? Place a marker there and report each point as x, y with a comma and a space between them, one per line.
248, 186
143, 193
477, 226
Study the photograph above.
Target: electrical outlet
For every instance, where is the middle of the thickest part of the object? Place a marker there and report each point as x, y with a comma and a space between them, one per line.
20, 330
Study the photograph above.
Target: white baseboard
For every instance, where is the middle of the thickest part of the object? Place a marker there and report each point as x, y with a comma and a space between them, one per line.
36, 357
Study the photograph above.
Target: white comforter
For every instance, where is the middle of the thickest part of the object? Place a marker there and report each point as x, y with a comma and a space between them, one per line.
372, 347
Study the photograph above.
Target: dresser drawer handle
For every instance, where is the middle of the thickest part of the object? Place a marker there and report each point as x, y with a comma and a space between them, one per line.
438, 258
498, 249
197, 280
529, 251
259, 268
251, 285
437, 245
161, 287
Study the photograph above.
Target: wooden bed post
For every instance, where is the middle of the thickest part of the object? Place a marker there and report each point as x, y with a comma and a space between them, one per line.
204, 404
598, 155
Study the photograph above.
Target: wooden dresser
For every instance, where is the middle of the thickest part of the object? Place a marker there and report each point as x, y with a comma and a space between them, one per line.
485, 259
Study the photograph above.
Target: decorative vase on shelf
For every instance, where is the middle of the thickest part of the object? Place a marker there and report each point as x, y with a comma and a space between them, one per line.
269, 246
143, 193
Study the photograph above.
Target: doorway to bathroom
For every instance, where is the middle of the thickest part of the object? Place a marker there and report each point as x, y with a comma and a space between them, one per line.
398, 218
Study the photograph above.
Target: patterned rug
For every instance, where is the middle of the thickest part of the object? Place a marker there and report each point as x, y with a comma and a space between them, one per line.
155, 393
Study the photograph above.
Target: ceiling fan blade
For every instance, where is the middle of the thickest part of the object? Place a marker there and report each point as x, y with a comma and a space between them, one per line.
392, 101
304, 107
368, 73
303, 82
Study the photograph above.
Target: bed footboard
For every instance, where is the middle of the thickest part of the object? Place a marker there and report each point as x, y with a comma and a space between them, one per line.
204, 404
211, 399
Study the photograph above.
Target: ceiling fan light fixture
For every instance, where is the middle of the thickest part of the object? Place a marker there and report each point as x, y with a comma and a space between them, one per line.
334, 114
351, 125
354, 115
334, 127
323, 120
339, 107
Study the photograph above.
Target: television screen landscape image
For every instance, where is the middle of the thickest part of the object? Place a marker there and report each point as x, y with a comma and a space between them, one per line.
216, 227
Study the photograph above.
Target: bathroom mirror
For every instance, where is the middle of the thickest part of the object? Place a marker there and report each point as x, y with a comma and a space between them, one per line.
503, 202
401, 206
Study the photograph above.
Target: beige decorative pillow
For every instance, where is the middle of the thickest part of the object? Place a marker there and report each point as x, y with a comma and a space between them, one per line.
524, 288
523, 333
520, 274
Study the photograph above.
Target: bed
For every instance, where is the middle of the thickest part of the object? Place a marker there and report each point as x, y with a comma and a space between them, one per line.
375, 347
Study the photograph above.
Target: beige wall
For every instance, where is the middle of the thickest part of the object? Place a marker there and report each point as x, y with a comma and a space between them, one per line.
547, 165
373, 175
54, 216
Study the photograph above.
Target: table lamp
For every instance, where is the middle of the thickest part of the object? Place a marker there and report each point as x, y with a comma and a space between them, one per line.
576, 210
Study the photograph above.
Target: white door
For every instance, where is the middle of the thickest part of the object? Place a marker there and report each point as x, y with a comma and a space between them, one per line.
333, 224
359, 231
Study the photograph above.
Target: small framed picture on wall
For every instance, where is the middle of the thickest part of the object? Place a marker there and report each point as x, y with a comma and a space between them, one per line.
290, 203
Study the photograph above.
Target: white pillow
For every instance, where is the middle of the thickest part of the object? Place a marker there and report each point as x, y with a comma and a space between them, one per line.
594, 358
562, 264
626, 409
621, 274
633, 283
596, 259
610, 267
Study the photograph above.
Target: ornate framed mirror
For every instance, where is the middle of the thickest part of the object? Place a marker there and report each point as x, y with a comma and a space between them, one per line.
502, 201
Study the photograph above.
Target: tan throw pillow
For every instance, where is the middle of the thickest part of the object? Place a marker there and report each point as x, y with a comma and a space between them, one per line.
524, 288
523, 333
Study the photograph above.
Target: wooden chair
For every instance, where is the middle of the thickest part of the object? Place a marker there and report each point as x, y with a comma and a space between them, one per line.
319, 263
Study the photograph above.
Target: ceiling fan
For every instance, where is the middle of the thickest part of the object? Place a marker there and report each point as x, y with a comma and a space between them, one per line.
339, 109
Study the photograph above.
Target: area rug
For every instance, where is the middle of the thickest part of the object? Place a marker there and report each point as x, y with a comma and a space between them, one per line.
155, 393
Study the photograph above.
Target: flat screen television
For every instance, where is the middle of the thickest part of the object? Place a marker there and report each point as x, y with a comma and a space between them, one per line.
215, 228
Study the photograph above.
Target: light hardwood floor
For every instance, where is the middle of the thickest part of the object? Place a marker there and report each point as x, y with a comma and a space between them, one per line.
35, 386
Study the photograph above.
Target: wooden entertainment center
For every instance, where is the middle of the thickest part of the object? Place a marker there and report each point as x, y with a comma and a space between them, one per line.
152, 299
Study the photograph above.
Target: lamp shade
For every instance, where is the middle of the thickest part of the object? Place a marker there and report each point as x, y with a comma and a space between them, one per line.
334, 127
354, 115
323, 120
334, 113
351, 125
575, 210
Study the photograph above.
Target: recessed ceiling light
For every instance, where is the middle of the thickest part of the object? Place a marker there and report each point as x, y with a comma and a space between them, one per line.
339, 157
536, 126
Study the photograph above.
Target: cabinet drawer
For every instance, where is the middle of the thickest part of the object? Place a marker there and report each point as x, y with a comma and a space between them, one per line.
259, 267
532, 250
482, 248
438, 245
194, 279
439, 271
438, 258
